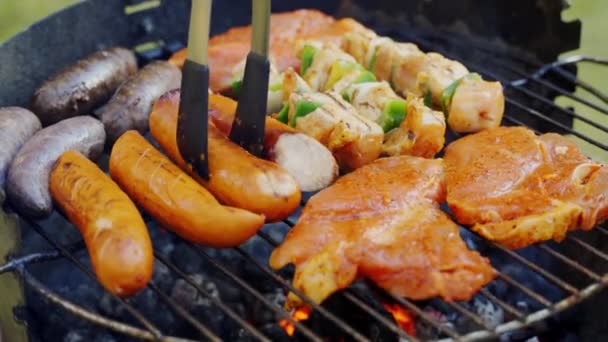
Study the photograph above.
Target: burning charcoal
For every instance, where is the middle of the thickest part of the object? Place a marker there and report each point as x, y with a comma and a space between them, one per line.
159, 313
492, 314
186, 259
164, 241
110, 307
189, 297
262, 314
162, 277
274, 332
426, 331
228, 291
77, 336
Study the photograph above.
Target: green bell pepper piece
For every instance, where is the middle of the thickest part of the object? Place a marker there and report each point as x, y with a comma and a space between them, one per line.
449, 91
428, 99
393, 114
283, 115
303, 108
236, 87
365, 77
308, 54
339, 68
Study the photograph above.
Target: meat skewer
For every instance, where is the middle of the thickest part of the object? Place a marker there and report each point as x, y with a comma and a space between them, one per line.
379, 224
469, 103
421, 134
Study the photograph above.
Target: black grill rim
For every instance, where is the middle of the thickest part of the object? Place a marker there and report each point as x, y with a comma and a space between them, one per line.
522, 86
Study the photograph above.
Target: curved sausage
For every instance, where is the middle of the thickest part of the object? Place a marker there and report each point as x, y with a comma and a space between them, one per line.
175, 199
236, 177
28, 175
16, 126
130, 106
79, 88
309, 162
114, 232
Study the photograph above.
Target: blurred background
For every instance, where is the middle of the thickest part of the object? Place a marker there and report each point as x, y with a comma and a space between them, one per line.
15, 15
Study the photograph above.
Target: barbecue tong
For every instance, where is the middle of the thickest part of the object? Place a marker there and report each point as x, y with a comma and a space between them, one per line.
248, 127
192, 124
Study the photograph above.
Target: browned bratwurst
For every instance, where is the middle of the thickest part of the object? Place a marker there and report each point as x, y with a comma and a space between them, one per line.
16, 126
131, 104
27, 185
82, 87
115, 233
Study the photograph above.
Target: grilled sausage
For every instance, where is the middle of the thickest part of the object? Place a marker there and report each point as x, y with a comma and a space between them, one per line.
114, 232
80, 88
16, 126
236, 177
28, 175
175, 199
130, 106
304, 158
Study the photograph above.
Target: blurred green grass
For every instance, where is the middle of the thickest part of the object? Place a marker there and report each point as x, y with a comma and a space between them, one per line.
15, 15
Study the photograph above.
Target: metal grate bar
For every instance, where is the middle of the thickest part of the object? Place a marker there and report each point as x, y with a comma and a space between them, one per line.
184, 314
80, 311
218, 303
602, 230
589, 247
472, 316
552, 104
557, 281
33, 258
130, 308
556, 123
568, 94
503, 305
511, 119
532, 294
350, 297
330, 316
575, 265
257, 295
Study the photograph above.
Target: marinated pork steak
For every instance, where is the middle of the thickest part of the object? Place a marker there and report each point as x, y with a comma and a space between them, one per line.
382, 222
516, 188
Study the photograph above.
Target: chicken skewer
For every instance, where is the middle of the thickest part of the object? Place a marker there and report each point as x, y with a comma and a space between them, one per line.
469, 102
422, 133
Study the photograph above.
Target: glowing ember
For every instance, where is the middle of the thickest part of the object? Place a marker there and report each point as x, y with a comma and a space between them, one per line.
403, 318
301, 314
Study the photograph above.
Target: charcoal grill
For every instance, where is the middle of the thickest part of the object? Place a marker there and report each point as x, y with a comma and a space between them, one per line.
522, 58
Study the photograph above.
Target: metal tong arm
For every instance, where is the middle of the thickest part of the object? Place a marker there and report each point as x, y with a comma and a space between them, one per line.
192, 124
248, 126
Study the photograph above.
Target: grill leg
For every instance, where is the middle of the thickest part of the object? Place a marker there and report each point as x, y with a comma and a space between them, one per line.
11, 288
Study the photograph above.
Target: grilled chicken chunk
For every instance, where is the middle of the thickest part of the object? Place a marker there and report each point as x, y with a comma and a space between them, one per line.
382, 222
421, 134
516, 188
353, 139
